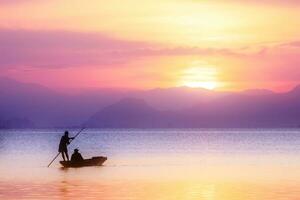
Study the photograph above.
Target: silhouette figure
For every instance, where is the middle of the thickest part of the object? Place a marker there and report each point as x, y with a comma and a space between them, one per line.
76, 156
64, 142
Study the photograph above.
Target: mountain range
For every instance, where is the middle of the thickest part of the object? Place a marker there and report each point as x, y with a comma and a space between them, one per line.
26, 105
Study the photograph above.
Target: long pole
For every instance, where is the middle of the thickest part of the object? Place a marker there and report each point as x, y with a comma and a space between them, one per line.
70, 142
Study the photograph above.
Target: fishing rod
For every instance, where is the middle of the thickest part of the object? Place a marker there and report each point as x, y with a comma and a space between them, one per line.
70, 143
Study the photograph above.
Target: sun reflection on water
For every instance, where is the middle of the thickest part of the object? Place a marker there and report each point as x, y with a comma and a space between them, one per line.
149, 190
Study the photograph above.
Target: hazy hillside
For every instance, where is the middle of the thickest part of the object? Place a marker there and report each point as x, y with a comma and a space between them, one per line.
239, 110
26, 105
47, 108
127, 113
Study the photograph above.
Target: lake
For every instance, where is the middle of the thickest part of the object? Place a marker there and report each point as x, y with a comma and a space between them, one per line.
187, 164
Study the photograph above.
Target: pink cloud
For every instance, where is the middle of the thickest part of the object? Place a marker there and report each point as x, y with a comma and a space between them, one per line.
23, 50
61, 49
276, 63
241, 2
13, 2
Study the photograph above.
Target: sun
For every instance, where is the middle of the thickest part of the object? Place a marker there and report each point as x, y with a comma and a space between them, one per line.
210, 85
200, 77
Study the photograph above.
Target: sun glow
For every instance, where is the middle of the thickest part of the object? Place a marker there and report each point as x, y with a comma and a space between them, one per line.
200, 77
205, 85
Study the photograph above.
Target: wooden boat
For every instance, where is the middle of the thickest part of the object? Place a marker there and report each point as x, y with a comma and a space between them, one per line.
94, 161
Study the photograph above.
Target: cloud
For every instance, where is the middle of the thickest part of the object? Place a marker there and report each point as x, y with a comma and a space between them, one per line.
286, 2
69, 49
26, 49
61, 49
279, 62
270, 2
292, 44
13, 2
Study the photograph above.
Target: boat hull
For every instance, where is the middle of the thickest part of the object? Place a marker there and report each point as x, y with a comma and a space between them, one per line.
94, 161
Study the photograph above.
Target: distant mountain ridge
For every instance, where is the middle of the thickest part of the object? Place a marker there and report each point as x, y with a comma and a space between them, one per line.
257, 92
16, 123
127, 113
32, 105
229, 112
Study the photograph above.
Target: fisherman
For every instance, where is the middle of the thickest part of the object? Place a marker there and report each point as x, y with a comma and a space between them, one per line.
76, 156
64, 142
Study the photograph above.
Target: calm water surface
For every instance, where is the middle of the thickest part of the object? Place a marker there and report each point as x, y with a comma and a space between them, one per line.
204, 164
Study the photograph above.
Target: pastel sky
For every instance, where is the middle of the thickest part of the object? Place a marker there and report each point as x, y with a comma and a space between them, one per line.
215, 44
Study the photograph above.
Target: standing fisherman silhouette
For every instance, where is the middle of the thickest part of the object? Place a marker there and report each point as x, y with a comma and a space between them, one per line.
65, 145
64, 142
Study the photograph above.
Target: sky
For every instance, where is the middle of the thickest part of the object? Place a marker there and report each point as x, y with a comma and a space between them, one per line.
213, 44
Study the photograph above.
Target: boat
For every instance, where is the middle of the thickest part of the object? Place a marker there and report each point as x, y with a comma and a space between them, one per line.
94, 161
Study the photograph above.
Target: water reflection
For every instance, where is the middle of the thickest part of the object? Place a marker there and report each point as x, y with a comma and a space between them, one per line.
156, 165
148, 190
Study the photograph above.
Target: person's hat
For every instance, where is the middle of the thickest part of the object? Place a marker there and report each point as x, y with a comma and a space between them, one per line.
76, 150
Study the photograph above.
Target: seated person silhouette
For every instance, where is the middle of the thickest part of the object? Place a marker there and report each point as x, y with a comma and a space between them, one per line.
76, 156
